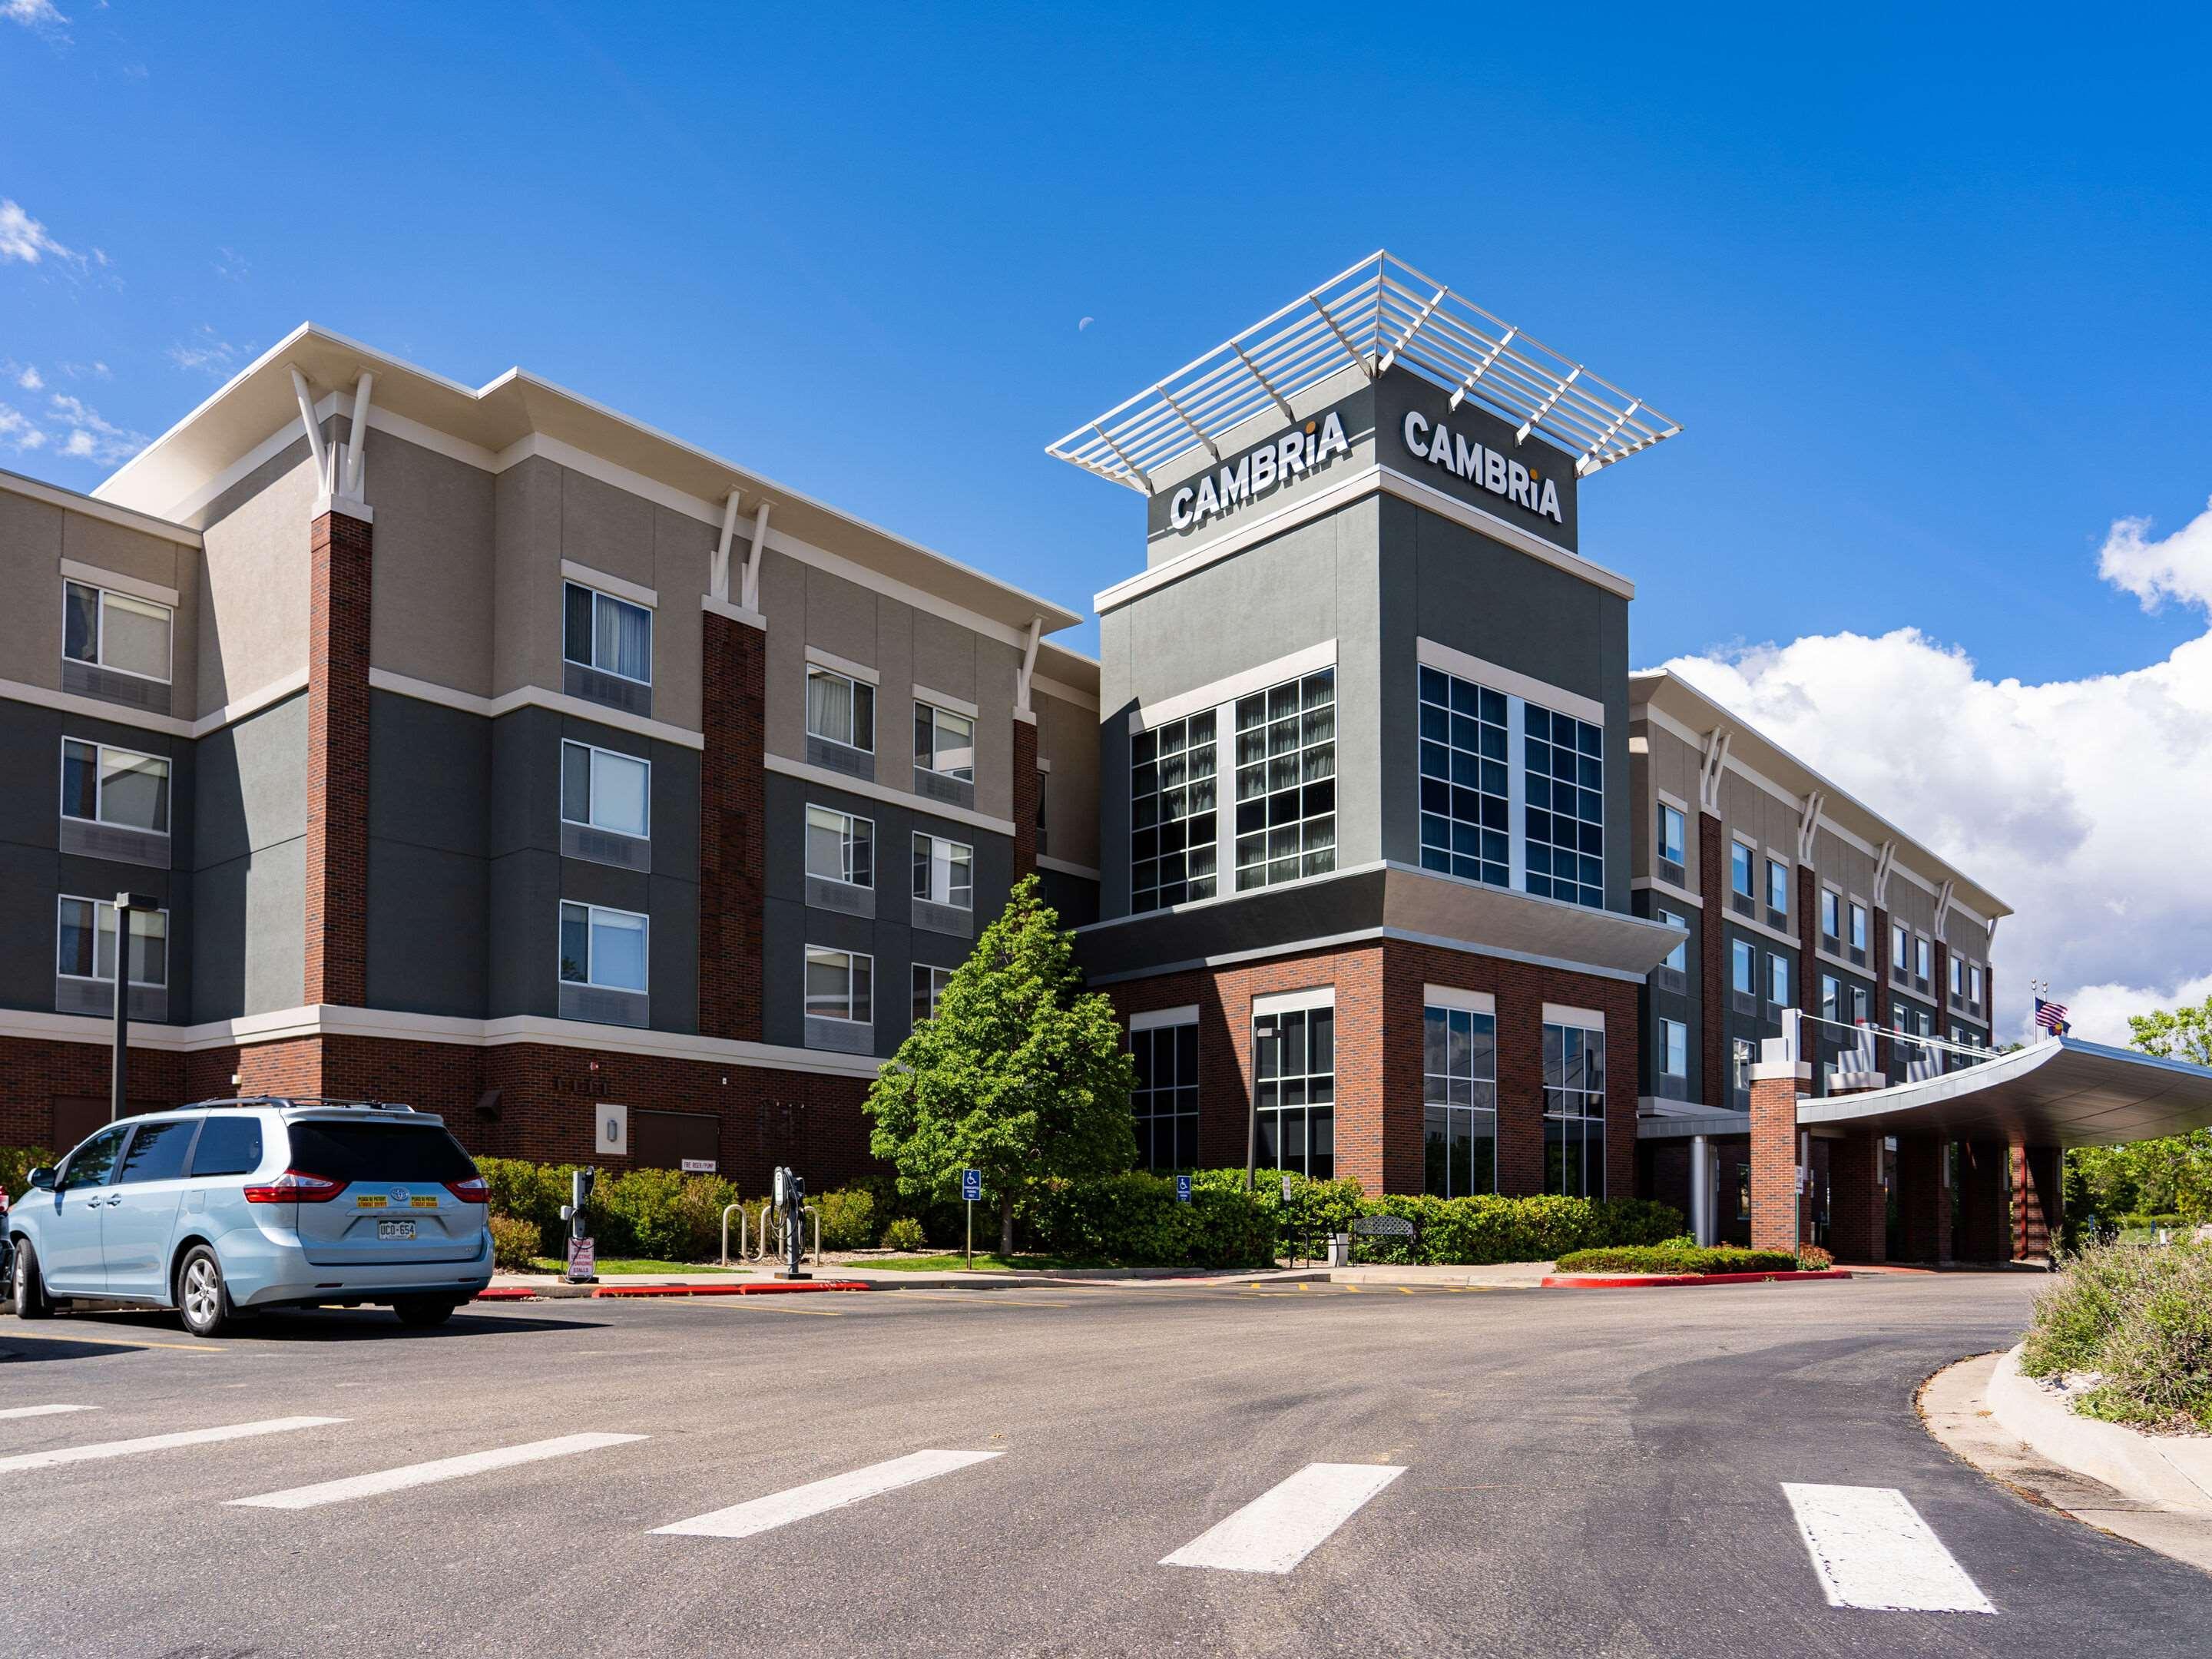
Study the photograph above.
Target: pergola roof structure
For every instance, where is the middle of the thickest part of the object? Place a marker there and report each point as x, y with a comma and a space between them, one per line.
1378, 314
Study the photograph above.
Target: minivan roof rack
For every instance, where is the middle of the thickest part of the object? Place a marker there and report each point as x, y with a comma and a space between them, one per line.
318, 1101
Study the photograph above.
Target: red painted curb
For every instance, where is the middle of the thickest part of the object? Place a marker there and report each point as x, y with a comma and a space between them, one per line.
1588, 1282
758, 1288
507, 1293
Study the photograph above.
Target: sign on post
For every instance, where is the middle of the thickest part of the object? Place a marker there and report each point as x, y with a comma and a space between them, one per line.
582, 1261
1286, 1189
699, 1166
1182, 1189
971, 1185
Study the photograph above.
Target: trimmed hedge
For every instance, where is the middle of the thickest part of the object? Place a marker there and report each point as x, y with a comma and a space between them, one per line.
1671, 1258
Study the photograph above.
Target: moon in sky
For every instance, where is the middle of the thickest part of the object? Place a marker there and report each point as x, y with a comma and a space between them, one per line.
1085, 324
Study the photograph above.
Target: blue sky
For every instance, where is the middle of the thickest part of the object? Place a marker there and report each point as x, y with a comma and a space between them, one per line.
1927, 289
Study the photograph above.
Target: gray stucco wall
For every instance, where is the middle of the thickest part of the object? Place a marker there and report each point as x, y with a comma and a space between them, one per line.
249, 872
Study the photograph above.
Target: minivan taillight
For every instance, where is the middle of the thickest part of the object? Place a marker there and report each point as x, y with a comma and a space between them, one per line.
472, 1191
296, 1187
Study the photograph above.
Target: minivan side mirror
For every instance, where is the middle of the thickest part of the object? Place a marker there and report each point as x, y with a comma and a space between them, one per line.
42, 1178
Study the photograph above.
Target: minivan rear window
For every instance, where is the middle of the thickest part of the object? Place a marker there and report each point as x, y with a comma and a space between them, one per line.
377, 1151
227, 1146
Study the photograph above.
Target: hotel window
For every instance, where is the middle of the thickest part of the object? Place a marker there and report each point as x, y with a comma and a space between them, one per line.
86, 943
1900, 950
1974, 986
1860, 1002
1296, 1071
1171, 813
1740, 1065
1958, 977
1679, 957
1287, 782
1740, 872
1460, 1076
1832, 998
1164, 1103
1574, 1110
1674, 1048
1777, 980
1465, 811
1777, 886
944, 742
603, 789
1832, 918
944, 871
1566, 807
1744, 961
840, 985
929, 985
103, 785
1858, 939
841, 847
611, 634
1671, 829
602, 947
116, 631
1924, 960
840, 710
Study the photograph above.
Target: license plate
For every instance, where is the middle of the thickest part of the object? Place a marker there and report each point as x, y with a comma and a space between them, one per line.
395, 1230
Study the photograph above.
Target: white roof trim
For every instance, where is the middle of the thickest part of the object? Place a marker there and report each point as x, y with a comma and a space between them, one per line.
1526, 687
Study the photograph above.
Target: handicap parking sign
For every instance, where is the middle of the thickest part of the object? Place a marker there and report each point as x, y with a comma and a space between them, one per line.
1182, 1189
971, 1185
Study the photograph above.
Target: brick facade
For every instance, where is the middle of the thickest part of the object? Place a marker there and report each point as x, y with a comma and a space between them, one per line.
2038, 1199
1029, 796
1924, 1198
1380, 1117
1982, 1230
1858, 1202
336, 902
1779, 1220
732, 810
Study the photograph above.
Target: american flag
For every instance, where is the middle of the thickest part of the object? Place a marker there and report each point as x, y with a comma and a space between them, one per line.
2051, 1017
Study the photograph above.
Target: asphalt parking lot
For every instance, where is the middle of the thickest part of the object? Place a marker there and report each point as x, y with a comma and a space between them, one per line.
1048, 1470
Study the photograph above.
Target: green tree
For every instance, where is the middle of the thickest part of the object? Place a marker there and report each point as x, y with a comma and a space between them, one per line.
1021, 1074
2171, 1175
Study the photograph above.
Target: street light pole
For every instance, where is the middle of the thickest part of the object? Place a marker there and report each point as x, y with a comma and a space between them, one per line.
119, 1104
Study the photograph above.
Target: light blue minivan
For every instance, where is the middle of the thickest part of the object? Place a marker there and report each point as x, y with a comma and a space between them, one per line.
233, 1207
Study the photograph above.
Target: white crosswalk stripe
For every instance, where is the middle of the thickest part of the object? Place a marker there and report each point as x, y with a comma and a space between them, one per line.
423, 1475
43, 1411
102, 1449
1284, 1525
1872, 1550
780, 1509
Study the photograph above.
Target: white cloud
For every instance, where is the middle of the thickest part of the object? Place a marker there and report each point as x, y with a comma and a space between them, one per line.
19, 432
22, 237
204, 352
87, 436
33, 14
232, 266
2084, 804
88, 371
29, 378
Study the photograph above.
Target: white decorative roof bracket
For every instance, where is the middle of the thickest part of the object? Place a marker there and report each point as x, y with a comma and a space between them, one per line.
1544, 408
718, 573
1884, 860
1588, 462
1122, 455
1943, 910
300, 389
357, 439
1265, 384
1459, 395
1808, 826
1410, 329
1711, 768
1028, 665
1342, 338
748, 591
1196, 431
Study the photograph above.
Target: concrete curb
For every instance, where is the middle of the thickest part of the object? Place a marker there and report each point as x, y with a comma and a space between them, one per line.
757, 1287
1668, 1281
2170, 1472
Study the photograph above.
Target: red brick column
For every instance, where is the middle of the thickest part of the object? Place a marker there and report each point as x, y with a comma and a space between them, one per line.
1924, 1198
338, 551
1029, 791
2038, 1199
1858, 1204
1879, 961
1712, 887
1939, 989
1779, 1220
1982, 1231
732, 845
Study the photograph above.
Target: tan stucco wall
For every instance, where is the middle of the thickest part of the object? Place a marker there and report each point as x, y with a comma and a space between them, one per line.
430, 612
254, 622
1067, 735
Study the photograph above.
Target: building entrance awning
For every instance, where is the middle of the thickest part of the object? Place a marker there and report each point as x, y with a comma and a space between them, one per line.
2061, 1092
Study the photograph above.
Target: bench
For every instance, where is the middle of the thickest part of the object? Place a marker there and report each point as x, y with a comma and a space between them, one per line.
1379, 1226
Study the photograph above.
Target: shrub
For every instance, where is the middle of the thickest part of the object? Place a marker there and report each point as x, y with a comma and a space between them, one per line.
16, 1163
903, 1234
515, 1244
848, 1219
2139, 1317
1812, 1258
1677, 1259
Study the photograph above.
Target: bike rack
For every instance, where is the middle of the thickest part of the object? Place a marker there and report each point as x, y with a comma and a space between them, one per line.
808, 1210
740, 1210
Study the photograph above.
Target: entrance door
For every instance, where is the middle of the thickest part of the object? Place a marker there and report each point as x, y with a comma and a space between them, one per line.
663, 1140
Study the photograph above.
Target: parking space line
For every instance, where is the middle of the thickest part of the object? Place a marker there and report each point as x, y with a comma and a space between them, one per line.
44, 1410
1872, 1550
423, 1475
104, 1448
759, 1514
1285, 1524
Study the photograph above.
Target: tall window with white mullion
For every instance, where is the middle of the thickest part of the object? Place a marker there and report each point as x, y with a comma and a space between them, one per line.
1741, 880
1465, 801
840, 985
1679, 957
603, 947
1574, 1111
1459, 1069
1164, 1103
611, 634
1287, 782
117, 631
1172, 803
105, 784
944, 871
944, 742
1832, 918
85, 943
1674, 1049
1671, 834
929, 985
1295, 1056
840, 709
604, 789
1565, 811
841, 847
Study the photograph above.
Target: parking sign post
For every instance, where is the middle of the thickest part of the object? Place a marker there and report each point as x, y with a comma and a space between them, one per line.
971, 1189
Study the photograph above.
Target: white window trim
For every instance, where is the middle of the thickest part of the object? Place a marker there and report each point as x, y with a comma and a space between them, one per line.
100, 787
104, 586
1666, 1025
1675, 801
817, 658
868, 886
619, 753
1291, 1002
1162, 1019
1659, 835
929, 968
930, 700
137, 587
98, 905
1560, 1013
1743, 949
1789, 869
947, 702
850, 957
615, 673
966, 847
613, 586
1225, 788
1516, 784
1267, 675
1451, 996
876, 718
590, 910
1527, 687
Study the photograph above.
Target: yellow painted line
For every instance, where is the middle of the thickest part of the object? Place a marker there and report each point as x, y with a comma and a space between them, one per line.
111, 1342
1354, 1289
1405, 1289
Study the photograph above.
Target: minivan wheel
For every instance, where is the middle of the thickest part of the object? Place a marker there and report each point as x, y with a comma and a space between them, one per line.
28, 1289
424, 1312
202, 1297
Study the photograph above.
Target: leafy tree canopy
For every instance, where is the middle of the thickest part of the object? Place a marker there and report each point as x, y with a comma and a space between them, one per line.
1021, 1074
2171, 1176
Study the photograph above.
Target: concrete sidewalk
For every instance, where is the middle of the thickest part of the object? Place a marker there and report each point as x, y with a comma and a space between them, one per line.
1524, 1275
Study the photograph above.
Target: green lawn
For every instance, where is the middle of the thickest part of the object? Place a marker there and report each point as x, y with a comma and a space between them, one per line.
547, 1264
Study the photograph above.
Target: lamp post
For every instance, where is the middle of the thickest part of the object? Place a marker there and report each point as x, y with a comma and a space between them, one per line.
1272, 1040
126, 905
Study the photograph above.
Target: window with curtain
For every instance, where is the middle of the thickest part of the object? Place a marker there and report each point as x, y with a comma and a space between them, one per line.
840, 985
840, 709
106, 785
841, 847
944, 742
118, 631
611, 634
604, 789
603, 947
944, 871
86, 943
